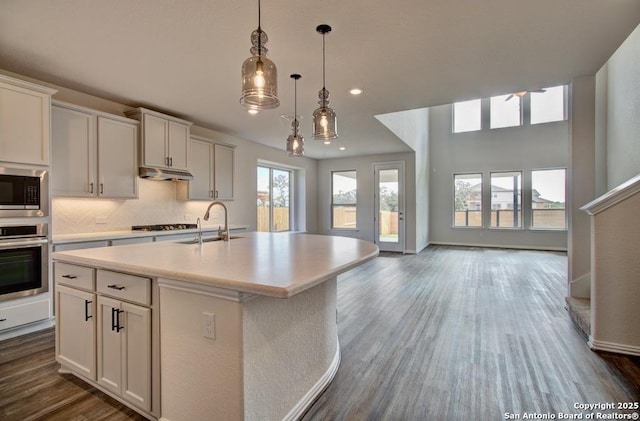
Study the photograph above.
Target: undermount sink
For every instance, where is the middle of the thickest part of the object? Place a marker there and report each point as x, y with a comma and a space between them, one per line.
206, 240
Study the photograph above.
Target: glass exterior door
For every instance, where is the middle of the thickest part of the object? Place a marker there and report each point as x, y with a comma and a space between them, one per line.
389, 203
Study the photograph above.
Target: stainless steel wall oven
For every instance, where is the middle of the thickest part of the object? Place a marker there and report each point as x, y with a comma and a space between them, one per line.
23, 193
23, 260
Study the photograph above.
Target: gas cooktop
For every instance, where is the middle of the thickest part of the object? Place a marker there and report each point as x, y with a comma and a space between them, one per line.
163, 227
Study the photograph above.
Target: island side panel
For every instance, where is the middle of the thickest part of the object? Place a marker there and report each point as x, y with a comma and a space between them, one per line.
201, 377
289, 348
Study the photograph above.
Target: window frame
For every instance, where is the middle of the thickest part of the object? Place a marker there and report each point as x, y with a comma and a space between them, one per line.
531, 226
343, 205
521, 207
481, 195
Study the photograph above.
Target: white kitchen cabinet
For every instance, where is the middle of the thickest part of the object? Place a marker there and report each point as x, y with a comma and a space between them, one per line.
94, 153
223, 172
103, 330
23, 313
212, 167
124, 350
25, 114
76, 330
164, 140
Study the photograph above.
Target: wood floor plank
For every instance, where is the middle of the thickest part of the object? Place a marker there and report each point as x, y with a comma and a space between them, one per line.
453, 333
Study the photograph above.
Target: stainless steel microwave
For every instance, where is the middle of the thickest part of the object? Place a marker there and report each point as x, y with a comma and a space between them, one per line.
23, 192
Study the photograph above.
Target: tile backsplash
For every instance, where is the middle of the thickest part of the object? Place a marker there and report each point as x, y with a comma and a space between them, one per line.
156, 204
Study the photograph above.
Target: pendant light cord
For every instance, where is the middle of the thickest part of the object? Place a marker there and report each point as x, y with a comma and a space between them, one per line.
259, 33
295, 107
324, 89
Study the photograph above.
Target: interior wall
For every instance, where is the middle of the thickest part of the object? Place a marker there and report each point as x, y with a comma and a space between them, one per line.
412, 127
157, 202
619, 83
527, 147
365, 208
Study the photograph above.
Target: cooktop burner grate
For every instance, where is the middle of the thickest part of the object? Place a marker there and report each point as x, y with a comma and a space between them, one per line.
163, 227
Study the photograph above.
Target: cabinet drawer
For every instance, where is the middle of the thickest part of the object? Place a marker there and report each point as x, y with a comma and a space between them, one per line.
127, 287
23, 314
75, 276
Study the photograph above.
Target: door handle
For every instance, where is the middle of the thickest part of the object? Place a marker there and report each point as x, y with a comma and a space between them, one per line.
118, 327
86, 310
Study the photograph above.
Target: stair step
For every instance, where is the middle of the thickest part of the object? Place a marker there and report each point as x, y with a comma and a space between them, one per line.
580, 312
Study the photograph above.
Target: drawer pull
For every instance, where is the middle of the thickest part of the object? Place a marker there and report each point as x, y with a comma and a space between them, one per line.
114, 286
86, 310
3, 320
69, 276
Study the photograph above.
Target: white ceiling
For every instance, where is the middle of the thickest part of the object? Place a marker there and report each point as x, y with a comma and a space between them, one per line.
184, 56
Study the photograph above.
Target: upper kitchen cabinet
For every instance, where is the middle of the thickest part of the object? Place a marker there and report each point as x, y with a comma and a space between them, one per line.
24, 121
212, 167
164, 140
94, 153
223, 172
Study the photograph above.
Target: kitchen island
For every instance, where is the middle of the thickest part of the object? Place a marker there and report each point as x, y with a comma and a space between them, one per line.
237, 330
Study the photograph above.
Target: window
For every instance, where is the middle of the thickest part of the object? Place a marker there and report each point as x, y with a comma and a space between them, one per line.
506, 111
467, 200
548, 199
506, 199
344, 188
547, 106
274, 193
467, 116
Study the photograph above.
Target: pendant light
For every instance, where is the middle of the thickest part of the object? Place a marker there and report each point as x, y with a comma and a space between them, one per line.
324, 118
259, 74
295, 142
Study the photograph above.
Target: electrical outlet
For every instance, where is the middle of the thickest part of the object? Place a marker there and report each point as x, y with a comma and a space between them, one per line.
209, 325
101, 220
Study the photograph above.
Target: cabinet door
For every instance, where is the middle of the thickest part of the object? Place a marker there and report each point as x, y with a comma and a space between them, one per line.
223, 177
155, 136
75, 330
110, 344
201, 166
117, 162
136, 355
74, 153
178, 146
24, 125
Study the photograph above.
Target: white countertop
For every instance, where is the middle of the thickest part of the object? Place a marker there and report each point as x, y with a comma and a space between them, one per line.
272, 264
114, 235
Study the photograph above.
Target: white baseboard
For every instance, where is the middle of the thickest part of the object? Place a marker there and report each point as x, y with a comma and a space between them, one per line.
310, 397
613, 347
501, 246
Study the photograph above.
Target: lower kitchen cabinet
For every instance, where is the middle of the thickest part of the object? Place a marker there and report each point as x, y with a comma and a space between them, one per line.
76, 330
124, 350
104, 332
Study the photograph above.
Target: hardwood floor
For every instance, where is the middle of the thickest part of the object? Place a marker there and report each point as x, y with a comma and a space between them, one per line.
449, 334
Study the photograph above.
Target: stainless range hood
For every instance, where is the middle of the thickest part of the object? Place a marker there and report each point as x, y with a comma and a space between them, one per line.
164, 174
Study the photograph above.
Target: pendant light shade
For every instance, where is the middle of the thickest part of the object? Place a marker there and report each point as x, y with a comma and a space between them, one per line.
325, 122
259, 74
295, 142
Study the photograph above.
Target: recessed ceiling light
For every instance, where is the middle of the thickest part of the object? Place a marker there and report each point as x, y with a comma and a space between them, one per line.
343, 148
327, 142
253, 111
355, 91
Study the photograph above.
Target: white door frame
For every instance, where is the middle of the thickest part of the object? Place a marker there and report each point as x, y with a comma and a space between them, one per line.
398, 246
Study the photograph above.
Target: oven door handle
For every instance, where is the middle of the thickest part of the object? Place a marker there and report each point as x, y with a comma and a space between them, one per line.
27, 242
